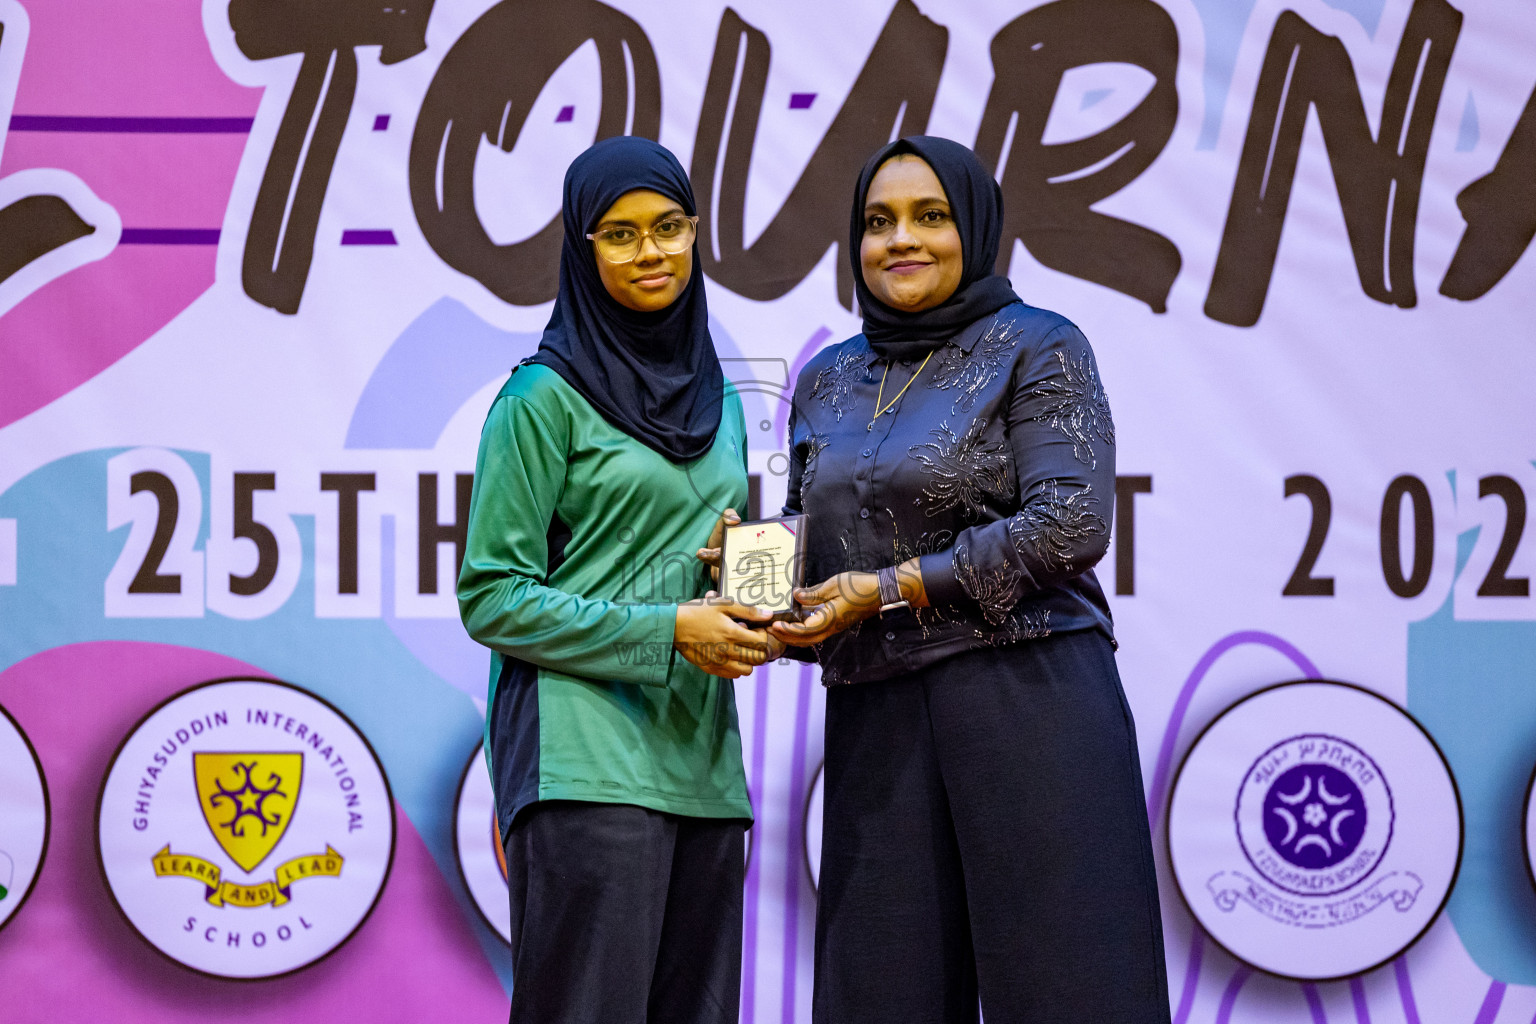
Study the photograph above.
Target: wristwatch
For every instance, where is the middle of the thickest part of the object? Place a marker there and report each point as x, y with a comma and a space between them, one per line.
890, 590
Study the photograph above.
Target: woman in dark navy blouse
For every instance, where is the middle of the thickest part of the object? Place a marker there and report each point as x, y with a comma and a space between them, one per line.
985, 834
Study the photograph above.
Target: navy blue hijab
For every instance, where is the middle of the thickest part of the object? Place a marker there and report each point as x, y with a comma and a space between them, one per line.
977, 205
654, 376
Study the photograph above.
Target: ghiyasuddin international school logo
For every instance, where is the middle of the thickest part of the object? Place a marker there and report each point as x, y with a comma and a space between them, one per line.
245, 828
247, 800
1314, 830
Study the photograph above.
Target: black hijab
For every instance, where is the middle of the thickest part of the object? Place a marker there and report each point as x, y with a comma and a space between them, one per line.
977, 205
654, 376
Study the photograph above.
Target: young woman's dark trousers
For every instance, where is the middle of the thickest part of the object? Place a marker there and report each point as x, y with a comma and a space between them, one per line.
623, 915
986, 836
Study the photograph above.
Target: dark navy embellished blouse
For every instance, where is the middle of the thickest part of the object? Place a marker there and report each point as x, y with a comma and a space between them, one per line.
996, 468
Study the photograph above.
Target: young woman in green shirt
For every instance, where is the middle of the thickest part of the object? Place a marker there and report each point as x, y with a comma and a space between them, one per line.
611, 730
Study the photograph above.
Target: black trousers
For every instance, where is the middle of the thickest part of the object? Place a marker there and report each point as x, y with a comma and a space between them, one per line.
986, 836
623, 915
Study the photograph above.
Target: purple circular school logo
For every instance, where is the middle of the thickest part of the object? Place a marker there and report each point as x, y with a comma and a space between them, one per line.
1292, 846
1314, 815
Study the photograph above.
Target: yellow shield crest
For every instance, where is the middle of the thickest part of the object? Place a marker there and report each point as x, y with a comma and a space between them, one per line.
248, 799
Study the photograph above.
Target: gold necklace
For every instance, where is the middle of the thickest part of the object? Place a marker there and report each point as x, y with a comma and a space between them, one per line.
881, 411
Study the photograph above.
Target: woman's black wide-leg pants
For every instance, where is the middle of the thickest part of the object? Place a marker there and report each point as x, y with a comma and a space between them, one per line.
986, 836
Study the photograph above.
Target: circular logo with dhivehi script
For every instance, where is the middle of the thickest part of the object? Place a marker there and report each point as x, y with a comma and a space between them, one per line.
1314, 830
245, 828
1314, 815
23, 817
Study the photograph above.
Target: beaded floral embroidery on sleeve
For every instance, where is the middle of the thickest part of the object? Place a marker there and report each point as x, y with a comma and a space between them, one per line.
1077, 406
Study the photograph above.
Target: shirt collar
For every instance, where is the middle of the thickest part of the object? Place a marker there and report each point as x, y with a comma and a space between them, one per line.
964, 341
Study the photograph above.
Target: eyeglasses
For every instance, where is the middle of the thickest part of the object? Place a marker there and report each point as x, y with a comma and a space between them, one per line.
621, 243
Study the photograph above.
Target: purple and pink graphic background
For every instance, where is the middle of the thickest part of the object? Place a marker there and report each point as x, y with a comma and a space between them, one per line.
70, 956
134, 104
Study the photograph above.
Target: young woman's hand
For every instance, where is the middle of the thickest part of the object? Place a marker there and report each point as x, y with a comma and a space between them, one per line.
708, 634
710, 555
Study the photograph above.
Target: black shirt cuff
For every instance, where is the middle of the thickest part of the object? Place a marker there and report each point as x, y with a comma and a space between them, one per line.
939, 582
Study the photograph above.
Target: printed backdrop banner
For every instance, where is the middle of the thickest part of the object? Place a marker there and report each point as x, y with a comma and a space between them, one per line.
264, 264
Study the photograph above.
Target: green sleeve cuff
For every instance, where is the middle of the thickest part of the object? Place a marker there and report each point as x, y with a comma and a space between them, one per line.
664, 629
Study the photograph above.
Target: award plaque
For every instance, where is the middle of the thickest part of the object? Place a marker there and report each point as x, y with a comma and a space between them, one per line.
761, 563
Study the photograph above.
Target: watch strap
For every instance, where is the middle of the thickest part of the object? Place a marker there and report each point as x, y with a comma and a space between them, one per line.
890, 589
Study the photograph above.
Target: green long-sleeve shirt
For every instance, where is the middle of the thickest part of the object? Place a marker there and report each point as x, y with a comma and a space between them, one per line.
581, 545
